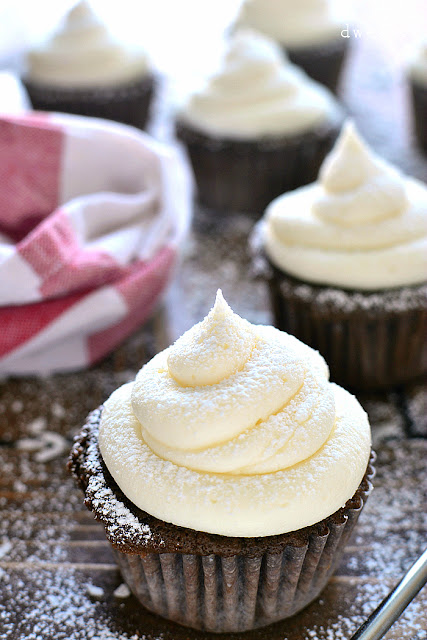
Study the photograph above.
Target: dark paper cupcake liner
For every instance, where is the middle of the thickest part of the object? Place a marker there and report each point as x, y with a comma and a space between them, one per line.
370, 340
127, 103
205, 581
419, 103
322, 62
245, 176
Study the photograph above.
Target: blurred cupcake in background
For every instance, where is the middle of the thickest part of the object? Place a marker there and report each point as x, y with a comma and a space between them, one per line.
257, 128
309, 31
418, 82
82, 69
347, 266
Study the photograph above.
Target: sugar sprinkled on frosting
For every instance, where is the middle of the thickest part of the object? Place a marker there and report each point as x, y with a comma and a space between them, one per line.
213, 349
253, 443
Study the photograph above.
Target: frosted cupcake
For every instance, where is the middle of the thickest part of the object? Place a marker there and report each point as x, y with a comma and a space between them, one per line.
228, 475
418, 83
348, 266
309, 31
259, 127
82, 69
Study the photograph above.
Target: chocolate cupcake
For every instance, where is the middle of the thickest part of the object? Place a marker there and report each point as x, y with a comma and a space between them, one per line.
81, 69
310, 32
346, 262
259, 127
228, 476
418, 84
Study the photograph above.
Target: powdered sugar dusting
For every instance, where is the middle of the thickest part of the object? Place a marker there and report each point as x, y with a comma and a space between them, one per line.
61, 605
361, 604
121, 525
5, 547
389, 539
52, 585
94, 591
48, 445
55, 600
340, 300
122, 591
105, 502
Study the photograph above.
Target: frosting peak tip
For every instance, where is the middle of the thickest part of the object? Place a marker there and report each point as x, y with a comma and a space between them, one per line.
348, 128
219, 297
212, 350
220, 305
79, 10
350, 137
349, 163
358, 186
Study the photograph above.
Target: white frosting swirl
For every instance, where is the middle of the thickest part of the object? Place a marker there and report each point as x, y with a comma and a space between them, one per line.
235, 430
418, 67
82, 53
258, 92
362, 226
292, 23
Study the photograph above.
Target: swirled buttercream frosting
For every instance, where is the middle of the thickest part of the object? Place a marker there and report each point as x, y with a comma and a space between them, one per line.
291, 23
362, 225
258, 92
235, 430
82, 53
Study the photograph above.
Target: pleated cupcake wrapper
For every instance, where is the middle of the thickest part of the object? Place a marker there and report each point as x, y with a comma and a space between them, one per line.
240, 175
419, 100
322, 62
127, 103
237, 593
364, 349
205, 581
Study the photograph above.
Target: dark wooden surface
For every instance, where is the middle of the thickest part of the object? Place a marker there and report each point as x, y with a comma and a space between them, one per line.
50, 547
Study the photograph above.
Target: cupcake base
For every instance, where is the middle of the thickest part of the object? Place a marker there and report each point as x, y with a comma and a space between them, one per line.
205, 581
322, 62
246, 175
127, 103
370, 340
419, 102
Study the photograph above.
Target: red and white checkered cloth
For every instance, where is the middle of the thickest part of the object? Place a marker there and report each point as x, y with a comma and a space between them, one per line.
91, 216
